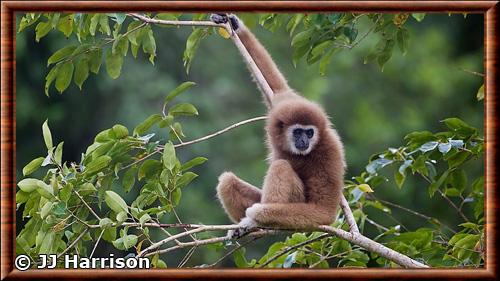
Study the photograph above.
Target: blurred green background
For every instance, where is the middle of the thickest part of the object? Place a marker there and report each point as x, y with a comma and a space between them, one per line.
371, 110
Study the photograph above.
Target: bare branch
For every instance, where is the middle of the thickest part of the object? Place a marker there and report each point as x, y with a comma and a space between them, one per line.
353, 227
176, 23
221, 131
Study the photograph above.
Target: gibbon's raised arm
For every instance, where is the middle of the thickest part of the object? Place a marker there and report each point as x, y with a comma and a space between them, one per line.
259, 54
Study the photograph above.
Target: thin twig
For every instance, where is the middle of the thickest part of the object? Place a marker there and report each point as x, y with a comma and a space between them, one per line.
176, 22
221, 131
412, 212
291, 248
86, 205
96, 243
73, 243
239, 246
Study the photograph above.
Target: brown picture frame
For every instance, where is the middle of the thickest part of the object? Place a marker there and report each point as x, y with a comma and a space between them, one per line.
8, 139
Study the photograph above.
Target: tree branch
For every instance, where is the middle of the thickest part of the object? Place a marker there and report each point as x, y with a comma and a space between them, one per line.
221, 131
353, 227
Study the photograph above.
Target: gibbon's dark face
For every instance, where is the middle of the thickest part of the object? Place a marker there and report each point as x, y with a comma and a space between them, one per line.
301, 139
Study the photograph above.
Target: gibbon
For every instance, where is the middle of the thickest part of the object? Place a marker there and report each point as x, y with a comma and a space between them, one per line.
303, 185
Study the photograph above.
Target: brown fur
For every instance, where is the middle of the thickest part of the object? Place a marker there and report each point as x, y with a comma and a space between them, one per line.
300, 191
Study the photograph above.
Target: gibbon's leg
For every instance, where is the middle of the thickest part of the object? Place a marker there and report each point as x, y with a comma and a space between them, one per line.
291, 215
259, 54
236, 195
282, 185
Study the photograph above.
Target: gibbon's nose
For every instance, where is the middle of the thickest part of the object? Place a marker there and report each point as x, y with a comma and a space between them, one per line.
302, 143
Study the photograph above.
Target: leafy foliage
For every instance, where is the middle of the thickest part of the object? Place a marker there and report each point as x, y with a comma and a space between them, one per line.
67, 200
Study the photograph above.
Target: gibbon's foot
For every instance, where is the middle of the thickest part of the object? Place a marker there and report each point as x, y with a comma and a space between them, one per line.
246, 226
224, 18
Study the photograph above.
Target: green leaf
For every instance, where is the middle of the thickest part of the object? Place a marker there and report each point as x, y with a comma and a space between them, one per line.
47, 136
350, 32
44, 211
148, 168
132, 35
377, 164
386, 54
365, 188
144, 219
459, 126
458, 180
399, 178
120, 46
192, 44
185, 109
302, 38
64, 76
435, 185
444, 147
103, 22
28, 20
58, 153
186, 178
128, 180
147, 124
457, 158
45, 190
97, 164
428, 146
418, 16
87, 189
32, 166
65, 25
95, 60
42, 29
149, 44
193, 162
81, 72
115, 202
51, 76
114, 64
118, 17
28, 185
402, 37
168, 157
105, 223
61, 54
480, 93
176, 196
177, 91
120, 131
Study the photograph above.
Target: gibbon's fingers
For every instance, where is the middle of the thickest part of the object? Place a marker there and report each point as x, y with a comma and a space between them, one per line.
236, 195
282, 185
246, 226
291, 215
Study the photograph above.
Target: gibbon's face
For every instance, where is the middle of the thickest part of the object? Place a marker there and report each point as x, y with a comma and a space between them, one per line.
295, 126
301, 138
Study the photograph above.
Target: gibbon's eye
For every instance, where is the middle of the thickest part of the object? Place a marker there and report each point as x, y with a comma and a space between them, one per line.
280, 124
297, 132
310, 133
